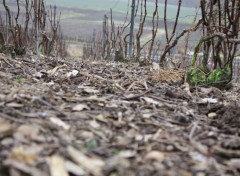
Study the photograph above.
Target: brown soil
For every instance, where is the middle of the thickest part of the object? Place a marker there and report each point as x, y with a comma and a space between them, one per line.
112, 119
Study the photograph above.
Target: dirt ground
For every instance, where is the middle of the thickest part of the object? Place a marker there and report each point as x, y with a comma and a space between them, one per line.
68, 117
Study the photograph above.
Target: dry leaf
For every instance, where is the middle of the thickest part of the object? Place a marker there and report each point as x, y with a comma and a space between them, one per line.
200, 147
89, 89
5, 128
24, 155
14, 105
206, 90
234, 163
7, 142
94, 124
74, 169
59, 122
152, 101
155, 155
54, 70
147, 115
5, 75
92, 165
80, 107
57, 166
127, 154
26, 168
28, 133
101, 118
198, 157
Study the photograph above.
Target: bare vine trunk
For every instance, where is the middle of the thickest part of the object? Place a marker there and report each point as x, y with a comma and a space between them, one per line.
168, 40
154, 29
140, 30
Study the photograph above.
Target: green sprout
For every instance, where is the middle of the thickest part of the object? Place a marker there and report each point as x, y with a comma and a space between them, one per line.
19, 79
91, 145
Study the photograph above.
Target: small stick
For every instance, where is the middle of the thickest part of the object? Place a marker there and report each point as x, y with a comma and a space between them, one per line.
103, 79
48, 104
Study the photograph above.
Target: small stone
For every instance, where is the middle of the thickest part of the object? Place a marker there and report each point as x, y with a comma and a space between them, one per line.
212, 114
169, 148
200, 174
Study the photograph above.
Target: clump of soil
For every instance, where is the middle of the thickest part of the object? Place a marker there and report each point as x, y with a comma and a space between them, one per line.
228, 117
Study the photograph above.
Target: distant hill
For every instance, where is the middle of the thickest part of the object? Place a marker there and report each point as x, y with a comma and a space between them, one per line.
185, 3
114, 3
79, 17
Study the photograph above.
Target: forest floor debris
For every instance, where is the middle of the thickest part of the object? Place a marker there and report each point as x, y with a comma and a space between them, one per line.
62, 117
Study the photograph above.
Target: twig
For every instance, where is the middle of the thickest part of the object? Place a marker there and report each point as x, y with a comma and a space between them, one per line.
5, 60
129, 87
35, 98
194, 128
138, 95
14, 119
103, 79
